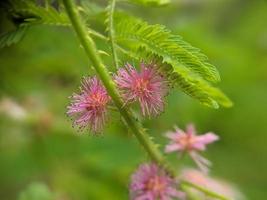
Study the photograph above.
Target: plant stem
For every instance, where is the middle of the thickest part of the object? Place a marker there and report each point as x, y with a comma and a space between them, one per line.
91, 51
112, 32
47, 3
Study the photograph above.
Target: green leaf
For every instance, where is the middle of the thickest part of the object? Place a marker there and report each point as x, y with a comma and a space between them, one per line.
12, 37
202, 91
185, 65
30, 14
36, 14
171, 48
36, 191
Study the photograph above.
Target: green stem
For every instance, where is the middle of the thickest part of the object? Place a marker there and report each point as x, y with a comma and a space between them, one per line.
91, 51
47, 3
112, 33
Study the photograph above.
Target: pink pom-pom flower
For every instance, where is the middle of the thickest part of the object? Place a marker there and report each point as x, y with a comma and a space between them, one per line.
150, 182
148, 87
89, 107
191, 143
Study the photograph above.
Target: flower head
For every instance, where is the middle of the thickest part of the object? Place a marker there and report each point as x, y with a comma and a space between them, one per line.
148, 87
89, 107
191, 143
150, 182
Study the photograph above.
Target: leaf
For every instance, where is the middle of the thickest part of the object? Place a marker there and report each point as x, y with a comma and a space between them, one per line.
30, 14
104, 53
202, 91
12, 37
172, 48
185, 65
36, 191
35, 14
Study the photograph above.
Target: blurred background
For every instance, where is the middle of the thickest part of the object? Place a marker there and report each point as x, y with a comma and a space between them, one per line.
40, 153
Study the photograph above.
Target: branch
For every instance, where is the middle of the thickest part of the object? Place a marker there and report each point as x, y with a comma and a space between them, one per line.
91, 51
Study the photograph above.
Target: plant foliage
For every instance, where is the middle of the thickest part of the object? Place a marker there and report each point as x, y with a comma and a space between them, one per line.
190, 67
29, 14
12, 37
37, 14
172, 48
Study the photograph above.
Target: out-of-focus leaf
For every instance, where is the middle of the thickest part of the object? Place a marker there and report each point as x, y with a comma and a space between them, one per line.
36, 191
32, 13
12, 37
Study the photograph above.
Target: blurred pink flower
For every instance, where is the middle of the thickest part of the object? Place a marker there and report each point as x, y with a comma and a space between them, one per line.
148, 87
191, 143
150, 182
89, 107
218, 186
12, 109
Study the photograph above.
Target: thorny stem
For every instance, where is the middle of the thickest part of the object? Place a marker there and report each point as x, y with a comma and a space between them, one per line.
91, 51
112, 32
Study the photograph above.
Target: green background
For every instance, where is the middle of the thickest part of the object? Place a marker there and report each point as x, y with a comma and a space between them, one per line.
45, 152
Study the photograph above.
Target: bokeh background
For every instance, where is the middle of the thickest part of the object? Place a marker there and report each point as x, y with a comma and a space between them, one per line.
40, 153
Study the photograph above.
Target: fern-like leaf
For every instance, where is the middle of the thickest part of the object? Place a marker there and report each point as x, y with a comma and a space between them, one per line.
158, 40
186, 67
36, 14
12, 37
202, 91
30, 14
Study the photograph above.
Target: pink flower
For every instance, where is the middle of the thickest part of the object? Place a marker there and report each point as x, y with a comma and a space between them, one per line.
150, 182
191, 143
148, 87
215, 185
89, 108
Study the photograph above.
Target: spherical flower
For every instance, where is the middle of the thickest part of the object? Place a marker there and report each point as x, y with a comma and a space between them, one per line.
148, 87
89, 107
150, 182
191, 143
